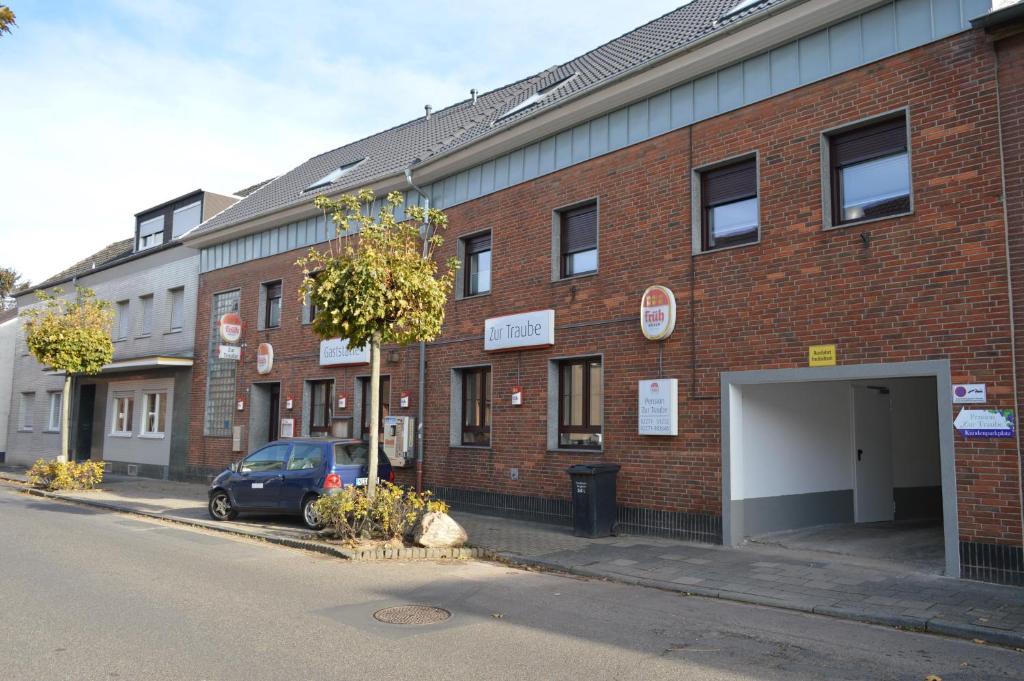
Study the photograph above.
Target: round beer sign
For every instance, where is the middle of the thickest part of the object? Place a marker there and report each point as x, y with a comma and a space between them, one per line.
658, 313
230, 327
264, 358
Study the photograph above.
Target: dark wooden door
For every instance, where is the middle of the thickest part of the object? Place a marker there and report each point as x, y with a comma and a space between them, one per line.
86, 410
274, 425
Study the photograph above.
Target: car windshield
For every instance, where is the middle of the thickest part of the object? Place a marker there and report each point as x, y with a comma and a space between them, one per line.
355, 454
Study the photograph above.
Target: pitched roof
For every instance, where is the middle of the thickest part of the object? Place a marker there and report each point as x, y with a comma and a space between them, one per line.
391, 151
252, 188
114, 251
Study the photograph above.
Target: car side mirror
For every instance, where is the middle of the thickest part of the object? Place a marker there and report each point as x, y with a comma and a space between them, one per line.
233, 466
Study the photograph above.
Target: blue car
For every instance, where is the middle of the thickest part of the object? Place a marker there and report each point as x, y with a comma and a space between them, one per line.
287, 476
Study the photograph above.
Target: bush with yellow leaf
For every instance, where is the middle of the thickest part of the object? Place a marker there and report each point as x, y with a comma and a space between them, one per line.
65, 475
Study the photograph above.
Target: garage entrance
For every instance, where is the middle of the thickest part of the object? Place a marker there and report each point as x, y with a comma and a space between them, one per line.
855, 460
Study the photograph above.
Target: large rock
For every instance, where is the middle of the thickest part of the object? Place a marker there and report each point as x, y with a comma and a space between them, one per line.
439, 531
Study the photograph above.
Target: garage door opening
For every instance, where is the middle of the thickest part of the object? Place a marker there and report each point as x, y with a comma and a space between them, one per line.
844, 463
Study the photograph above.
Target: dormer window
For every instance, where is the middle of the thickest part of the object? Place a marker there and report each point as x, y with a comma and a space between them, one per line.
185, 218
333, 176
151, 232
536, 97
737, 8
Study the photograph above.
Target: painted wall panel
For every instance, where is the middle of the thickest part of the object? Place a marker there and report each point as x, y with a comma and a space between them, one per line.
515, 167
547, 155
599, 136
660, 114
945, 17
682, 105
705, 96
913, 23
563, 149
580, 143
618, 129
814, 57
730, 88
785, 68
844, 46
757, 78
638, 123
878, 33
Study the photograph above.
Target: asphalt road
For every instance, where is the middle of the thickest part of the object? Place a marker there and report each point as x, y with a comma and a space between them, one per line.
86, 594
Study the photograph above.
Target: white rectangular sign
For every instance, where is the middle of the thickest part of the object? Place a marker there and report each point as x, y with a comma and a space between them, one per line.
287, 428
969, 393
229, 352
518, 331
658, 408
336, 351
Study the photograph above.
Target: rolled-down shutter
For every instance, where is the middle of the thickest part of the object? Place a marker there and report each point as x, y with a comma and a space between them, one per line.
731, 183
872, 141
478, 244
579, 229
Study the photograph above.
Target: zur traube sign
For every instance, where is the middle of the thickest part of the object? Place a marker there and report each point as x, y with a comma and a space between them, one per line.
336, 351
658, 410
657, 313
520, 331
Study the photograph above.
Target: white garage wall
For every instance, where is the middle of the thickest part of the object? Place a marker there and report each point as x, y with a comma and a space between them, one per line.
915, 433
796, 440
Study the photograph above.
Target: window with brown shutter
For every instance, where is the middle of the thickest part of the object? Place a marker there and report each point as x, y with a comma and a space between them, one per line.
869, 170
477, 275
578, 240
729, 205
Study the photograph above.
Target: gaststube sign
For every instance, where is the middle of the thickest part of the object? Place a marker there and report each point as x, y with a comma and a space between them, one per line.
519, 331
336, 351
658, 313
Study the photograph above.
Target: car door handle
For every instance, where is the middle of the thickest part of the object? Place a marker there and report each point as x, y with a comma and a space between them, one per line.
860, 453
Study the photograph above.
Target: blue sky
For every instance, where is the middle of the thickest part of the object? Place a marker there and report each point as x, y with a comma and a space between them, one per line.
110, 107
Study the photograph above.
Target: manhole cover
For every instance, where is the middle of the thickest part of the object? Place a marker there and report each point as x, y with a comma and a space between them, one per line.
412, 614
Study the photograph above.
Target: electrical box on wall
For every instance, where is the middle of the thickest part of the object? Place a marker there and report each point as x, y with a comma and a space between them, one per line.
399, 435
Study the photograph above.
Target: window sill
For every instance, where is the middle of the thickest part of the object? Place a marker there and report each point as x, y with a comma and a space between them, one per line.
728, 248
126, 435
828, 227
574, 450
26, 430
152, 436
575, 277
172, 332
52, 430
144, 335
475, 296
120, 340
479, 448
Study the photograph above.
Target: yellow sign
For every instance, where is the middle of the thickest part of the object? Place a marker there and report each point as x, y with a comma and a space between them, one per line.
821, 356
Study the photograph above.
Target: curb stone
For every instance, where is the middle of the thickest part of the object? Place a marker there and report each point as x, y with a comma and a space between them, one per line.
1010, 639
462, 553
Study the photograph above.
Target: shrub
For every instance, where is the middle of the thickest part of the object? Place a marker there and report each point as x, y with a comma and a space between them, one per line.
391, 514
66, 475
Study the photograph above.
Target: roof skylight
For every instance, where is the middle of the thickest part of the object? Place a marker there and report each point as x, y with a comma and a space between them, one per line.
334, 175
739, 7
537, 96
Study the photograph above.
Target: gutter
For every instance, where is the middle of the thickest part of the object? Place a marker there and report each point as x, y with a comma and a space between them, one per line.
1000, 17
422, 362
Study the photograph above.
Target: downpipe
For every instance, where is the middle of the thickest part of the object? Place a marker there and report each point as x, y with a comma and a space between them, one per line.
422, 362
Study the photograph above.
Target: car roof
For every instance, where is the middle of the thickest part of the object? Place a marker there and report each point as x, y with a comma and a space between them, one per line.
320, 440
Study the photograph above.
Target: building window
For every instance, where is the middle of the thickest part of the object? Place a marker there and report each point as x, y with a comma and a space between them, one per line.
176, 313
869, 171
478, 265
123, 320
220, 373
476, 406
26, 413
580, 403
151, 232
53, 418
385, 405
124, 408
578, 240
146, 322
320, 407
185, 218
154, 413
729, 205
272, 305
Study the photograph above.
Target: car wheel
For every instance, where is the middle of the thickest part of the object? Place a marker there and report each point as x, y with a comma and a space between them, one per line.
309, 514
221, 508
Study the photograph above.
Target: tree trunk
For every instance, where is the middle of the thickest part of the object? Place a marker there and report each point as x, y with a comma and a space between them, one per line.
65, 418
371, 476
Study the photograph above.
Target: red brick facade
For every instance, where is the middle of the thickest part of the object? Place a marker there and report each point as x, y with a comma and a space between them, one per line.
930, 285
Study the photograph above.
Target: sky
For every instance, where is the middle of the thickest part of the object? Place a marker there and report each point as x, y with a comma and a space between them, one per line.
109, 107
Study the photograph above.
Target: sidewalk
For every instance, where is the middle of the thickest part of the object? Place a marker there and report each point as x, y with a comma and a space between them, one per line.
814, 582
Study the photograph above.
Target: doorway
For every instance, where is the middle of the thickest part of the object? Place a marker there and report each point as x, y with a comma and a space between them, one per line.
83, 431
264, 414
854, 459
364, 405
320, 408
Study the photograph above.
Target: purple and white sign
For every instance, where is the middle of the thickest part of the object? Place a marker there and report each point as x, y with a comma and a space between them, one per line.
985, 422
969, 393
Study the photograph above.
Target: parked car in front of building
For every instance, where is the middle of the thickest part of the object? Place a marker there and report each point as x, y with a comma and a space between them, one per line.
287, 476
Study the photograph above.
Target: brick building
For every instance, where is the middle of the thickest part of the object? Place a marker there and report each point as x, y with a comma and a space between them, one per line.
817, 183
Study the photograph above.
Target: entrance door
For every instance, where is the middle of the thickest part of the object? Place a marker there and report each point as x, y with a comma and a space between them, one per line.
872, 434
86, 409
320, 408
274, 413
385, 405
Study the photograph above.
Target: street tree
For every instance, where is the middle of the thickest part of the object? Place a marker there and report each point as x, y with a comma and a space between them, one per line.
377, 282
69, 335
6, 19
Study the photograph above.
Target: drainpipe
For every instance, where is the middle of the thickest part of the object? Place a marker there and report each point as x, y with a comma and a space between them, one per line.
421, 390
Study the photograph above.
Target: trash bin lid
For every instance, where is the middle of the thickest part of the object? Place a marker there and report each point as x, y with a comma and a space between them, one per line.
593, 468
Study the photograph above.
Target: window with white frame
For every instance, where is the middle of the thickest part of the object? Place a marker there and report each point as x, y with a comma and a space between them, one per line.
123, 320
53, 418
124, 408
185, 218
26, 410
176, 303
151, 232
154, 413
146, 322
